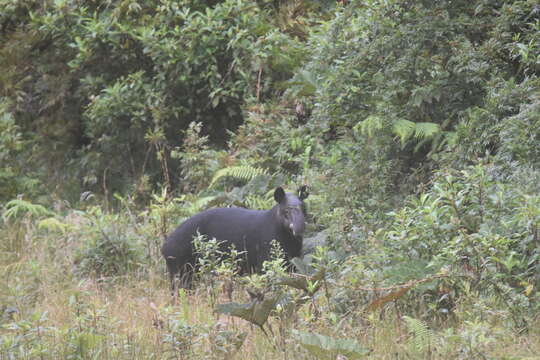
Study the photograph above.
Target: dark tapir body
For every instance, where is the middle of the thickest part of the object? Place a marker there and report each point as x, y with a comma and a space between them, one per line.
250, 231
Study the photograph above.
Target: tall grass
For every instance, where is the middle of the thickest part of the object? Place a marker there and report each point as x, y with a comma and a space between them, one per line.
51, 310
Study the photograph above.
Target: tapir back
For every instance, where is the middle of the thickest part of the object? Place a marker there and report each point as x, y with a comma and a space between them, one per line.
249, 231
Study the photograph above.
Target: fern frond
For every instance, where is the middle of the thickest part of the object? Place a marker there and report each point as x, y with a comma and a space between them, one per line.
17, 207
425, 130
370, 125
243, 172
452, 138
200, 204
259, 202
404, 129
422, 336
53, 224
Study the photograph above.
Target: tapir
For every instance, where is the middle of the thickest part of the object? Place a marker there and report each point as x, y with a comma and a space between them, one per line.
250, 231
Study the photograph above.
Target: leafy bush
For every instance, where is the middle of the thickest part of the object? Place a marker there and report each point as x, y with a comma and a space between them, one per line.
520, 135
197, 161
410, 79
484, 231
105, 77
14, 177
111, 247
272, 139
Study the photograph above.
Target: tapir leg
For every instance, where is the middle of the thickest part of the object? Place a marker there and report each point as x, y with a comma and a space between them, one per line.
185, 276
173, 272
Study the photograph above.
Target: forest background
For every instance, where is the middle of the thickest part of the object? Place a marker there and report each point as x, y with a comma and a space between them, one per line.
416, 125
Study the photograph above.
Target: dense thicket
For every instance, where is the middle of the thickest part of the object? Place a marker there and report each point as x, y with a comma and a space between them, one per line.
416, 125
103, 90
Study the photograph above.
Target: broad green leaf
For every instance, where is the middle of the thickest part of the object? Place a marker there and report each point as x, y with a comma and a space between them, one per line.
324, 347
255, 312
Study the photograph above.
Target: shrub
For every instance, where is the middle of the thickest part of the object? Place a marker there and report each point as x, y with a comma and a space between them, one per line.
109, 246
484, 231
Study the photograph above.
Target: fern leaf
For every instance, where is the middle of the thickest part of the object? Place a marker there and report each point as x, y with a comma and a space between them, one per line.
425, 130
17, 207
200, 204
53, 224
243, 172
259, 202
404, 129
370, 125
452, 138
422, 335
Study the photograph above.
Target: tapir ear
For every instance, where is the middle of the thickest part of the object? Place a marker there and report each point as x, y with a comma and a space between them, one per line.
279, 194
303, 192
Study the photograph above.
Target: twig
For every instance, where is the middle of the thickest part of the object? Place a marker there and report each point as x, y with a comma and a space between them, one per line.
105, 190
408, 284
259, 83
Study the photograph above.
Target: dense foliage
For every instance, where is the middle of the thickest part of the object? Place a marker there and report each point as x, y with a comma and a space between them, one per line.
416, 125
106, 88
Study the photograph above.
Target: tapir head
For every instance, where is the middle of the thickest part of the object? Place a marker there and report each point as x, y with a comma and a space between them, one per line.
291, 210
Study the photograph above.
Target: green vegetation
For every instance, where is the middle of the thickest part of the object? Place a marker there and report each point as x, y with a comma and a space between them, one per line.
416, 125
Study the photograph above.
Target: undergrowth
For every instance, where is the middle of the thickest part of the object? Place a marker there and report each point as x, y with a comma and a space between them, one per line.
51, 309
